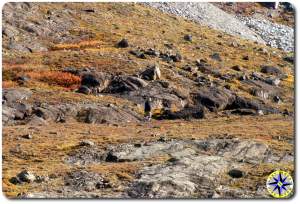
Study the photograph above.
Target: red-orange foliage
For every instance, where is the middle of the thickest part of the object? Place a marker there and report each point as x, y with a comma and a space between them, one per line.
56, 78
8, 84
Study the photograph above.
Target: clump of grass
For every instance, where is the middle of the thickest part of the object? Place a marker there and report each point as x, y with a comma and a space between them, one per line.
57, 78
76, 46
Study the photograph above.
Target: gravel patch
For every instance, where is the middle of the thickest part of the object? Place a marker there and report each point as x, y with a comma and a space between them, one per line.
275, 35
260, 30
209, 15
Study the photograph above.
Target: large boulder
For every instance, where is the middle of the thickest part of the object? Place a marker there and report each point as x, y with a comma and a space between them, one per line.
11, 96
151, 73
95, 80
15, 105
271, 70
123, 43
121, 84
186, 113
90, 80
164, 95
246, 103
213, 98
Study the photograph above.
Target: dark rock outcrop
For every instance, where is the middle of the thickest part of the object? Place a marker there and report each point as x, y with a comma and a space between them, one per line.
123, 43
123, 84
151, 73
271, 70
213, 98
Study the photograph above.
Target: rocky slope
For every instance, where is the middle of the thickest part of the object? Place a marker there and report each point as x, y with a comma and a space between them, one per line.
74, 93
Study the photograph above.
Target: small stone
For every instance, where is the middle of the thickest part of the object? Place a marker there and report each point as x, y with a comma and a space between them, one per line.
23, 78
89, 10
138, 54
216, 56
26, 176
173, 159
260, 112
276, 99
234, 44
162, 139
177, 57
111, 157
256, 76
263, 50
188, 38
246, 57
84, 90
27, 136
273, 81
236, 173
191, 69
40, 179
15, 180
123, 43
227, 86
138, 145
152, 52
236, 68
86, 143
289, 59
243, 77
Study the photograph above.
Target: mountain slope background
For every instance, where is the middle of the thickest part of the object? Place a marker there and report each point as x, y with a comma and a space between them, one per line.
48, 47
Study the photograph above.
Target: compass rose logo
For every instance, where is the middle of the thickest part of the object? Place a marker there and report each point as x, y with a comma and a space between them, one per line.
280, 184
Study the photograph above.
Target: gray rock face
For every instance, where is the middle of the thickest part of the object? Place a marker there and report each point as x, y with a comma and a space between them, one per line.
14, 105
51, 26
86, 155
194, 169
113, 115
85, 181
129, 152
185, 179
208, 14
11, 96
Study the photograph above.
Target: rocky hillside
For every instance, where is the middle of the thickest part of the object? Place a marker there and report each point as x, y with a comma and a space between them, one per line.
75, 80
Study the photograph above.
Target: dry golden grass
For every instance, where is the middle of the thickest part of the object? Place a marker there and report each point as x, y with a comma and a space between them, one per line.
78, 46
45, 153
145, 28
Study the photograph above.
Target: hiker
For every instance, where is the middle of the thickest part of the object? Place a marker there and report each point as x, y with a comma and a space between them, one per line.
148, 109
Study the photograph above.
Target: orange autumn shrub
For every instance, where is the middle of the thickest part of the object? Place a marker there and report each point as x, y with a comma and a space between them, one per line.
56, 78
8, 84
